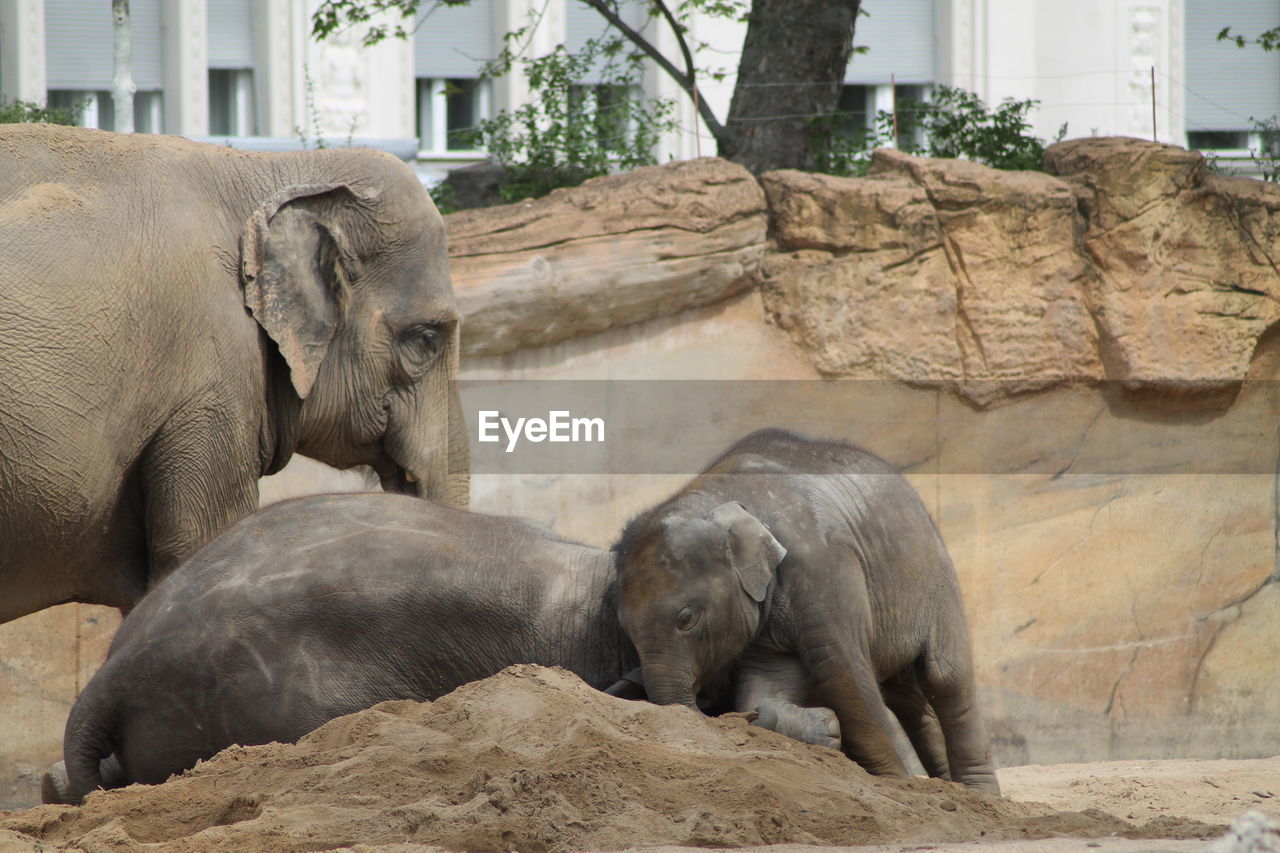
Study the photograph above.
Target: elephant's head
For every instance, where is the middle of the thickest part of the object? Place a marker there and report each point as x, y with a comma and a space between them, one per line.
690, 595
350, 279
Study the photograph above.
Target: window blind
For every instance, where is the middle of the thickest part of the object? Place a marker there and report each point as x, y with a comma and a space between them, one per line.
78, 44
1226, 85
230, 34
454, 41
899, 34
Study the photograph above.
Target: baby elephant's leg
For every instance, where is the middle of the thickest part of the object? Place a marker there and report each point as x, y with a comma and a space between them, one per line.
903, 695
810, 725
774, 685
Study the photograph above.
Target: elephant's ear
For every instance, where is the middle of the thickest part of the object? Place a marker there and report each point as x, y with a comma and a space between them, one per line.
753, 550
296, 270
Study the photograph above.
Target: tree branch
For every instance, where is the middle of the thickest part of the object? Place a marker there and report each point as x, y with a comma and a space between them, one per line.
686, 81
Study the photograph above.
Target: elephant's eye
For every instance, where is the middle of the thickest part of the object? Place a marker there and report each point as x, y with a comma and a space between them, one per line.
686, 619
421, 343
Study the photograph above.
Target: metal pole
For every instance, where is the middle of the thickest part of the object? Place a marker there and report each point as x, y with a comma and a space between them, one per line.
1154, 135
893, 87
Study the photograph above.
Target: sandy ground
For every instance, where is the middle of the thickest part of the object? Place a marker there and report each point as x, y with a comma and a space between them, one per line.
1214, 792
532, 759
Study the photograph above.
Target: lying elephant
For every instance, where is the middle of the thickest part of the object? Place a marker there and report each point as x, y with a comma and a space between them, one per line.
813, 571
178, 319
317, 607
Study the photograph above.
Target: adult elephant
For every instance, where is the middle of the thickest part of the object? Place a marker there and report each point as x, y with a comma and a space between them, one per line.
177, 320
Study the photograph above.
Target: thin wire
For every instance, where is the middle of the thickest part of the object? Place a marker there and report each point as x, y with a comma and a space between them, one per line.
1209, 101
1186, 120
853, 81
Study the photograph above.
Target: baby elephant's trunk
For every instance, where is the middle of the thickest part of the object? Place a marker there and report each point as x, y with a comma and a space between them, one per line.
668, 684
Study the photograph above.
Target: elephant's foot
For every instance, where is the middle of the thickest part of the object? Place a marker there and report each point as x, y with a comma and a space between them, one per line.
55, 787
818, 726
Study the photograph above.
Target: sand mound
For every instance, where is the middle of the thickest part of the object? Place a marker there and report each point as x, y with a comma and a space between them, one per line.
533, 759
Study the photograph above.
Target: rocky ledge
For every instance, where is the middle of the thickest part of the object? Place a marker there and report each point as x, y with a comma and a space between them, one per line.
1127, 261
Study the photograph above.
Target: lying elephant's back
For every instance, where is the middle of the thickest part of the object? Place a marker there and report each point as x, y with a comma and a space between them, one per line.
375, 552
314, 608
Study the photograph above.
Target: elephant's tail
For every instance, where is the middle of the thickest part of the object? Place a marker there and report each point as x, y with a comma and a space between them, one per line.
88, 741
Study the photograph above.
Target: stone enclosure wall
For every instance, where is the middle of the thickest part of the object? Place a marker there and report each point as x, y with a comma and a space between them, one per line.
1074, 368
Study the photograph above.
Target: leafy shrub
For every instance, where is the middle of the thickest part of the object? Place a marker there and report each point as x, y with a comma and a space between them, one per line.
1266, 157
570, 132
16, 112
954, 123
445, 198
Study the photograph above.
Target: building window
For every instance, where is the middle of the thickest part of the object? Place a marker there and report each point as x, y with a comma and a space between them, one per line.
79, 60
607, 107
905, 101
97, 108
860, 105
451, 44
1218, 140
856, 111
1229, 90
231, 110
448, 110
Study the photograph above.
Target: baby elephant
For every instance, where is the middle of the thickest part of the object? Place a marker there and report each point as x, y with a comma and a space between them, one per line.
811, 573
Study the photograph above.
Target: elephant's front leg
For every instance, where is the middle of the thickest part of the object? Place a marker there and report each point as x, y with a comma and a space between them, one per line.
774, 685
842, 677
196, 480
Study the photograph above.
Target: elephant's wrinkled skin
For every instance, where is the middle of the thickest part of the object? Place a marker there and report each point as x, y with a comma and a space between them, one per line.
812, 572
177, 319
321, 606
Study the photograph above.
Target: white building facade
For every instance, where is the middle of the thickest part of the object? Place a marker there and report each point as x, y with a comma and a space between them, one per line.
250, 69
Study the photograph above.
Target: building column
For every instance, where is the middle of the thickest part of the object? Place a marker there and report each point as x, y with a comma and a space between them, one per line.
1173, 92
512, 89
1152, 36
960, 36
186, 64
385, 110
509, 90
273, 67
22, 69
341, 70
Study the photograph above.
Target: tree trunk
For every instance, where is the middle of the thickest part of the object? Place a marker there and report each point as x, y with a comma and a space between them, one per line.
122, 87
792, 67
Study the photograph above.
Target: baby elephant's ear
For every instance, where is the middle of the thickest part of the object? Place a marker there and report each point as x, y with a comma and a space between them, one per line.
753, 551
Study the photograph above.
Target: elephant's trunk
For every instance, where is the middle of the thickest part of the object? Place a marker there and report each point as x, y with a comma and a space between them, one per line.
436, 456
456, 490
668, 683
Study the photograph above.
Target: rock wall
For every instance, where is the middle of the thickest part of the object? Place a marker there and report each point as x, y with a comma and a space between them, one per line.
650, 243
1075, 369
1128, 262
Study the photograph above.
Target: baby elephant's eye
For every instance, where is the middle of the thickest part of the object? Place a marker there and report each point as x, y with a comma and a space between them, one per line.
686, 619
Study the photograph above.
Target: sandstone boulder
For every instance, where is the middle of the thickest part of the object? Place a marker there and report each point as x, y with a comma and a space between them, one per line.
933, 272
1130, 261
614, 251
1187, 278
